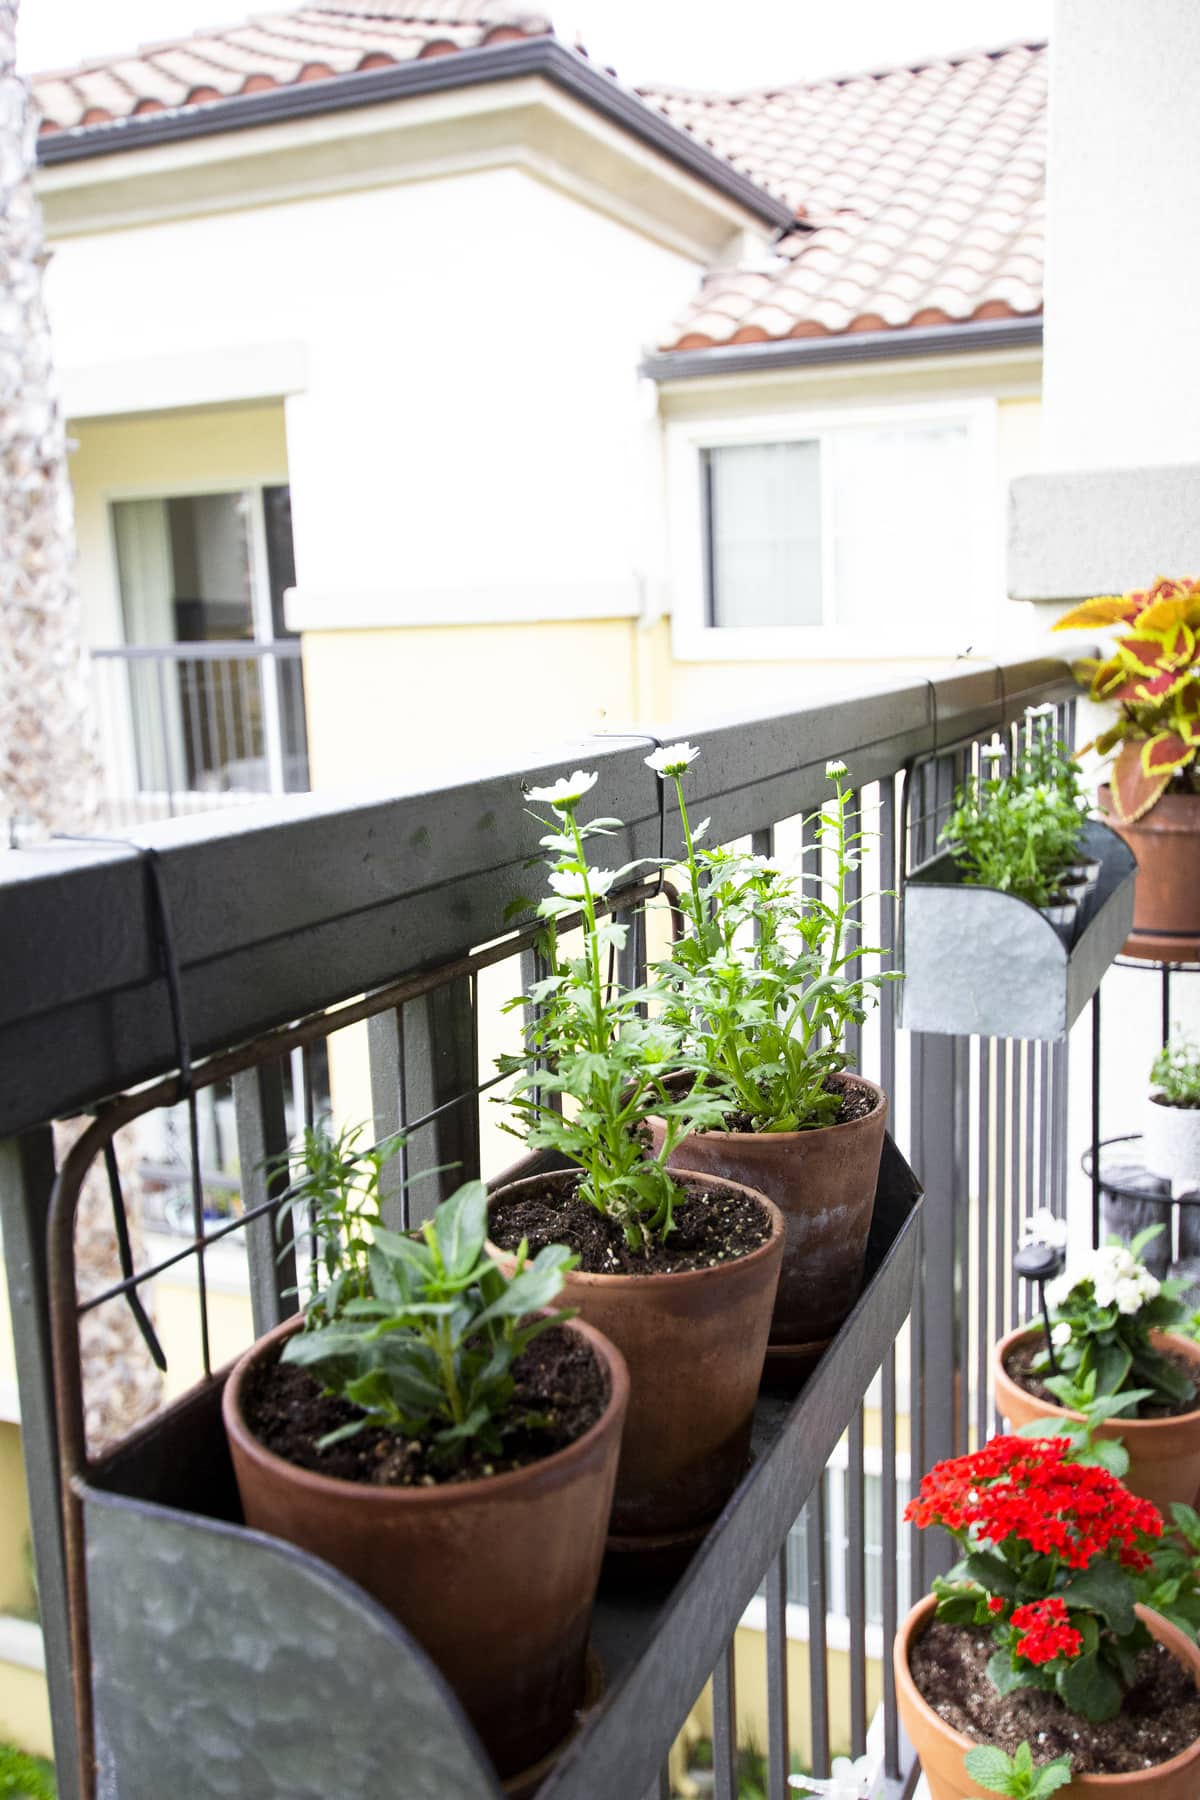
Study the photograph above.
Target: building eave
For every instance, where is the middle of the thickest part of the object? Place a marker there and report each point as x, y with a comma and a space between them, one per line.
541, 56
847, 347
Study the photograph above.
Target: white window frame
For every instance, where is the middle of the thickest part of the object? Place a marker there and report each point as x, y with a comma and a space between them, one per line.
693, 639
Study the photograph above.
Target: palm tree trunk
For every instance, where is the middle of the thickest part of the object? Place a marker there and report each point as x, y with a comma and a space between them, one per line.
48, 764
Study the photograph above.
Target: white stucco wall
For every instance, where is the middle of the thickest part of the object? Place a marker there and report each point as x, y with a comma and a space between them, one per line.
1123, 272
470, 415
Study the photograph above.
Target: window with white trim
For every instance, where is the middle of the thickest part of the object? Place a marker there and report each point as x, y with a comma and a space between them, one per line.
818, 531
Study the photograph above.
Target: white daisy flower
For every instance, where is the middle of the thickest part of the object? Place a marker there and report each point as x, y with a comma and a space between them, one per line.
568, 884
847, 1781
672, 759
832, 771
993, 752
566, 791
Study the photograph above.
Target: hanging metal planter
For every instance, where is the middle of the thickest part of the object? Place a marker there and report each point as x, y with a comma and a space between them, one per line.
978, 962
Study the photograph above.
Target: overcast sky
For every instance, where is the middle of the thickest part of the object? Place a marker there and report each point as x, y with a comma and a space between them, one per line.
697, 43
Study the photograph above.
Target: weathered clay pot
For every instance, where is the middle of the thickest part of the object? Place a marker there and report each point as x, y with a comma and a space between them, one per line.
942, 1749
824, 1184
1166, 898
495, 1579
1164, 1454
694, 1343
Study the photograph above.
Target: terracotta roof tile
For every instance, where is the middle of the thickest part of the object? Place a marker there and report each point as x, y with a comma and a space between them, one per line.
316, 42
925, 187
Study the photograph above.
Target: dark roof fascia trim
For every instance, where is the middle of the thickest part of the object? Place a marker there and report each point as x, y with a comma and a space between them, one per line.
543, 56
845, 347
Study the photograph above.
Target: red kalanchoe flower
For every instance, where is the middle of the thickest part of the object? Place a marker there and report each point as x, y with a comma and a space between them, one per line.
995, 1604
1047, 1633
1025, 1489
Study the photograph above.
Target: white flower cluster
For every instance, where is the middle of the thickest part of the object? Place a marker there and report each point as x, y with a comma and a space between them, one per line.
848, 1780
1042, 1227
1117, 1279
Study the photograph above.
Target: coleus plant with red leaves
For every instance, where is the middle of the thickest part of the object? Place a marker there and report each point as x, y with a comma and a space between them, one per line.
1152, 674
1053, 1552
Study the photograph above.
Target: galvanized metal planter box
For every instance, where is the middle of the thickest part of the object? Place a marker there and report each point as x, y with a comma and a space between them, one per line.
981, 963
226, 1663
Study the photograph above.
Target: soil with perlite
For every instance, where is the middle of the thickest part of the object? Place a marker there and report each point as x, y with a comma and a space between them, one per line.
559, 1382
1018, 1366
1159, 1719
711, 1226
857, 1103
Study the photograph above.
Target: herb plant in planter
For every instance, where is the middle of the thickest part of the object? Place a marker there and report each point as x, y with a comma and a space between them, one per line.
763, 985
679, 1272
1118, 1359
1152, 676
1020, 832
451, 1446
1171, 1140
1036, 1637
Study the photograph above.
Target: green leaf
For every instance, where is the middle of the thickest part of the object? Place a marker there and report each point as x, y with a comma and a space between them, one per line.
1113, 1362
1089, 1687
992, 1573
990, 1768
1003, 1677
460, 1225
1105, 1589
1050, 1777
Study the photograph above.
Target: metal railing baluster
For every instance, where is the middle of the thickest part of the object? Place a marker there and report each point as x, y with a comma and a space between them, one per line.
818, 1670
888, 1559
856, 1583
262, 1137
724, 1739
778, 1737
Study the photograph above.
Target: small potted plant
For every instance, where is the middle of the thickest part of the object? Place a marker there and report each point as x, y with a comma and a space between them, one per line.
449, 1444
1152, 676
1171, 1140
1113, 1346
1036, 1636
679, 1270
763, 984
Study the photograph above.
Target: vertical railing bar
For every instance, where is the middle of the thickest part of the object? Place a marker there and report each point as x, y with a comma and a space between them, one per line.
984, 1246
1016, 1118
1043, 1192
916, 1403
385, 1057
818, 1673
26, 1178
854, 888
246, 673
262, 1136
724, 1709
778, 1734
856, 1584
889, 1557
168, 758
887, 934
962, 1230
188, 673
226, 671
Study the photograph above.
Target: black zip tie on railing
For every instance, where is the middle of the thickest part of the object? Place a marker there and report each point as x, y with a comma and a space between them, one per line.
164, 934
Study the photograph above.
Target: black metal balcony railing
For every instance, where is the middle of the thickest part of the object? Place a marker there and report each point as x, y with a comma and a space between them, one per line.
194, 727
390, 916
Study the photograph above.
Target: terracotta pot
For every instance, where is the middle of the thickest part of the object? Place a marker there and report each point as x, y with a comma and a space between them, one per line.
1164, 1454
942, 1749
495, 1579
1166, 900
824, 1184
694, 1343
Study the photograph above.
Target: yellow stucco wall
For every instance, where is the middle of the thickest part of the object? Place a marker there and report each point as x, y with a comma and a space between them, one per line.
184, 452
25, 1710
16, 1591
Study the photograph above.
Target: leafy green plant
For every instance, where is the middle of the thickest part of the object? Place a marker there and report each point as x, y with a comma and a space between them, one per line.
1015, 1775
25, 1777
598, 1055
1019, 832
1054, 1550
1103, 1313
768, 977
336, 1197
429, 1350
1176, 1073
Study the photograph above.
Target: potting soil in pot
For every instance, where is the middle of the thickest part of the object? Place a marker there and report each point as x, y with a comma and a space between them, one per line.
711, 1227
1018, 1366
557, 1379
857, 1103
1159, 1719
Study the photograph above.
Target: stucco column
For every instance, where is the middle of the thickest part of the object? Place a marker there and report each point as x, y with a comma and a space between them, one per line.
1120, 500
